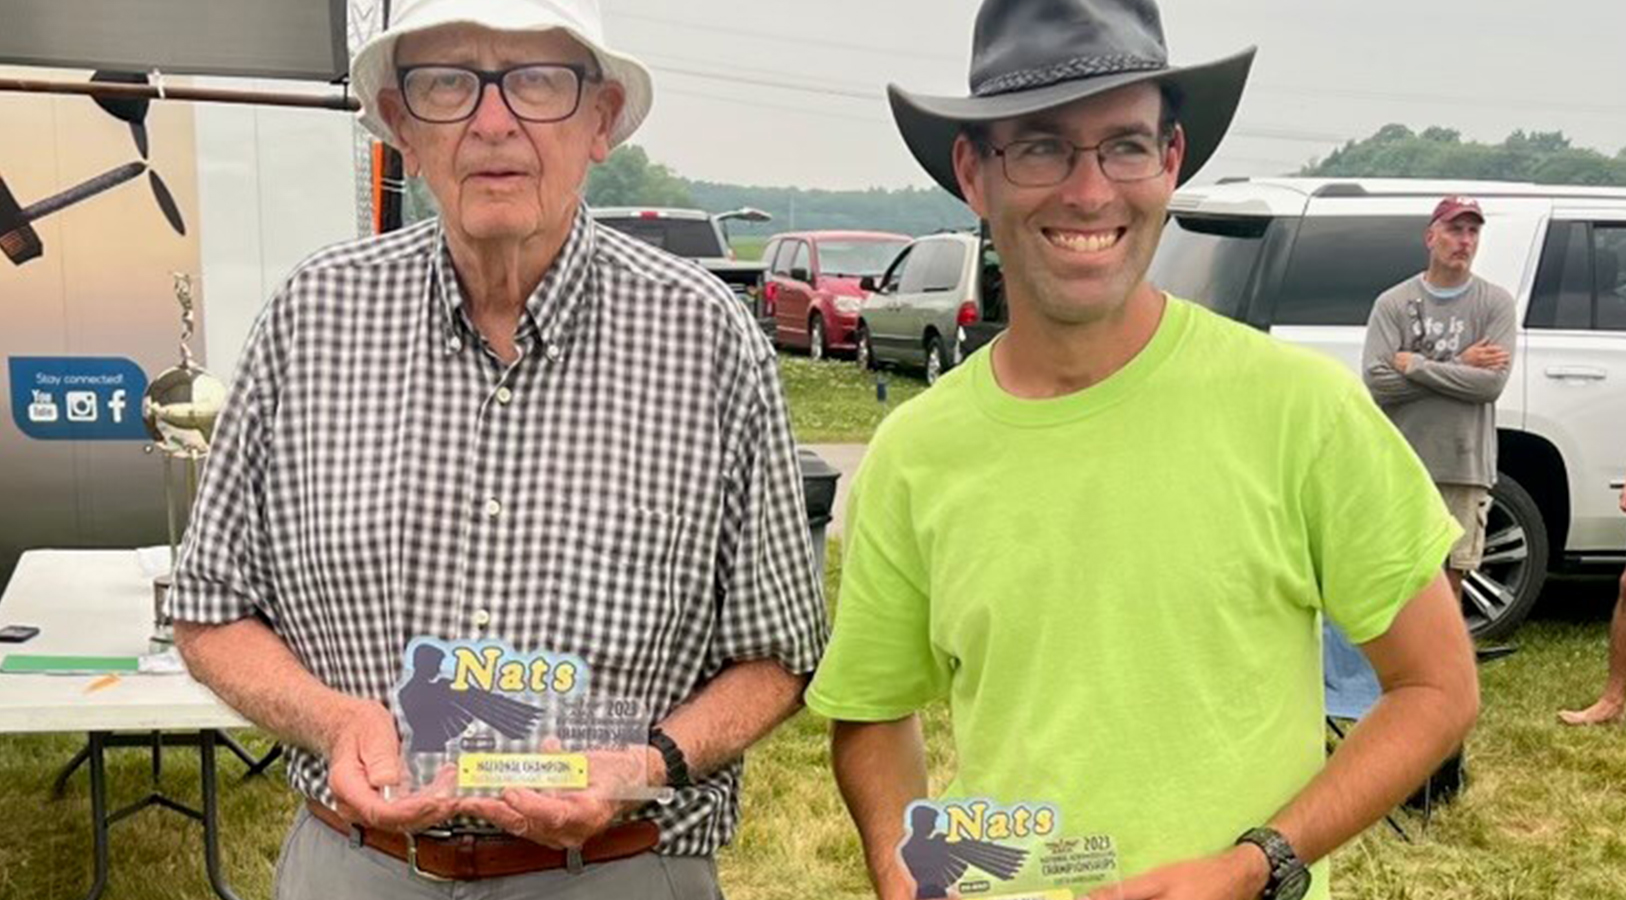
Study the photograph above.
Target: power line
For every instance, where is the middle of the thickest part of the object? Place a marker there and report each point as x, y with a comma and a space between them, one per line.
735, 67
1608, 110
873, 120
1267, 133
1444, 99
798, 40
871, 96
1282, 134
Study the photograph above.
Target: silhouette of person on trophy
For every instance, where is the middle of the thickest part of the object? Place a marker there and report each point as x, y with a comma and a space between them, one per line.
435, 713
936, 863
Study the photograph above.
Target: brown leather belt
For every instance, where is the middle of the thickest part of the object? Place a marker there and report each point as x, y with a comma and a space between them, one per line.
470, 857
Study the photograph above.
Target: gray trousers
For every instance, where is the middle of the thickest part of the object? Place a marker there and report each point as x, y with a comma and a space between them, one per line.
318, 863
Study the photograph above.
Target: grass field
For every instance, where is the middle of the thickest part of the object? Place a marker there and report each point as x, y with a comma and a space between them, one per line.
834, 402
1543, 816
748, 248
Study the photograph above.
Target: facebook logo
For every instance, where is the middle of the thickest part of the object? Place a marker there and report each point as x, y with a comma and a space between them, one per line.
115, 406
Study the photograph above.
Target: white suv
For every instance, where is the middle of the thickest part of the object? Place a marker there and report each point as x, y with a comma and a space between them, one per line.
1305, 258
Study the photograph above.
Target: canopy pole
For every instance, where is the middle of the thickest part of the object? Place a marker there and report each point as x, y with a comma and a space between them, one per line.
344, 102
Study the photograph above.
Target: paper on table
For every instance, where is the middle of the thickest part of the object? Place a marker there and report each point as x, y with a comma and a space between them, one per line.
154, 561
43, 664
166, 663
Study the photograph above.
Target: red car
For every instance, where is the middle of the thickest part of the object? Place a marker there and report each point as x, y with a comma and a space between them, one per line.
812, 285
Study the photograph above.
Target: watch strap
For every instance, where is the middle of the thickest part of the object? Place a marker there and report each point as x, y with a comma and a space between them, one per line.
677, 766
1279, 853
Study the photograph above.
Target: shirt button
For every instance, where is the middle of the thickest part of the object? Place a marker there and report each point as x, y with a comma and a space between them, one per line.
482, 618
455, 345
552, 351
504, 396
493, 508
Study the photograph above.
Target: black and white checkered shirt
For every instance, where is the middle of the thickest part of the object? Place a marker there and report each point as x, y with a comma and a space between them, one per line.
627, 491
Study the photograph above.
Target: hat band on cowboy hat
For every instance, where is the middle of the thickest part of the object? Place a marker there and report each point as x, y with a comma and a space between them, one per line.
373, 68
1030, 56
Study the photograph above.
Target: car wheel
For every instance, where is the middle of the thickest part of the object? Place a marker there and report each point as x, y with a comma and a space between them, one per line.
934, 359
863, 353
815, 338
1498, 595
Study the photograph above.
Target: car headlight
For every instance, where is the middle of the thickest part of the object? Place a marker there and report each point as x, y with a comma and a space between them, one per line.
848, 304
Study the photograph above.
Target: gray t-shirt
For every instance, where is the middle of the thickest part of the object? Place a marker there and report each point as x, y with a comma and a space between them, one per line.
1444, 407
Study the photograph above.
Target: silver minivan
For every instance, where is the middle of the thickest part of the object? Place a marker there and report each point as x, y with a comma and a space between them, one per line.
917, 313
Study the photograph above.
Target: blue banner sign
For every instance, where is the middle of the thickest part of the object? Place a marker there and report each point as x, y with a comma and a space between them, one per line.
77, 398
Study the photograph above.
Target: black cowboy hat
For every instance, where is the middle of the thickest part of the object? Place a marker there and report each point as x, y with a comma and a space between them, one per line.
1033, 55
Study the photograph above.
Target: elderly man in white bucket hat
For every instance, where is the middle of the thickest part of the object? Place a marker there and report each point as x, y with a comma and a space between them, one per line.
1108, 538
508, 426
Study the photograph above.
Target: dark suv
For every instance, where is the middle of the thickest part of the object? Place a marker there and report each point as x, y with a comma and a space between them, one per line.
701, 236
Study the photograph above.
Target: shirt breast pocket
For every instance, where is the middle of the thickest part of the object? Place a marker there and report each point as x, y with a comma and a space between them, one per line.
641, 545
623, 580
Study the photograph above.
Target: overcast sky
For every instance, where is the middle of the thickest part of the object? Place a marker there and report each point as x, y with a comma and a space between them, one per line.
790, 92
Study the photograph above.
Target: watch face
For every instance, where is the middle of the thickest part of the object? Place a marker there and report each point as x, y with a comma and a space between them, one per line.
1294, 884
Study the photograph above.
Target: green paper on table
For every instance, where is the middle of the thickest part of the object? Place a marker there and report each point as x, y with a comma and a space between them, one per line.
41, 664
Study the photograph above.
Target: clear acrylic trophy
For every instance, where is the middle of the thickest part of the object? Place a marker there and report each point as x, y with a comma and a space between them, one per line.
476, 718
978, 848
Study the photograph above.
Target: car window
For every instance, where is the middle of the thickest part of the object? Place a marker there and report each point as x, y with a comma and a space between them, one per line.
1609, 280
894, 272
771, 255
857, 258
787, 252
803, 259
945, 268
914, 270
991, 284
1562, 296
693, 238
1340, 264
1210, 260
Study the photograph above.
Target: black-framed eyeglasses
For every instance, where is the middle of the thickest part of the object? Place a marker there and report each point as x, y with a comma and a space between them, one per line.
1048, 161
538, 92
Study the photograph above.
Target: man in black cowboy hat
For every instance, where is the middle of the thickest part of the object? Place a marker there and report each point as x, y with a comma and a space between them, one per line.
1107, 538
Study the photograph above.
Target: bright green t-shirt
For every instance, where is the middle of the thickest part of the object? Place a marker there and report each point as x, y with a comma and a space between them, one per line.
1118, 589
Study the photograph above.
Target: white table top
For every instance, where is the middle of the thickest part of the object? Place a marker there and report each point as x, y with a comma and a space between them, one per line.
94, 603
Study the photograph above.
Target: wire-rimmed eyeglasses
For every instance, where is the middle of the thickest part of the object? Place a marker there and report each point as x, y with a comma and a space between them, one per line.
1048, 161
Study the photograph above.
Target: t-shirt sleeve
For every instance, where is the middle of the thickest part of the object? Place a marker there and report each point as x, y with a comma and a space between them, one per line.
1378, 530
881, 664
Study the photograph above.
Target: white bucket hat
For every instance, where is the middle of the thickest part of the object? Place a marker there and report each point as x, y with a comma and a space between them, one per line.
373, 68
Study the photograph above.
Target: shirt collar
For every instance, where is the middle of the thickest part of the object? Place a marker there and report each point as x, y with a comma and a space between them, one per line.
551, 307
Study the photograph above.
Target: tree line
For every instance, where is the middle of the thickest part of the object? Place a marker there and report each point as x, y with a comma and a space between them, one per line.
630, 178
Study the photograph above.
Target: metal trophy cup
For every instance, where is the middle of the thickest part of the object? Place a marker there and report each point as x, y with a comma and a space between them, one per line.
179, 409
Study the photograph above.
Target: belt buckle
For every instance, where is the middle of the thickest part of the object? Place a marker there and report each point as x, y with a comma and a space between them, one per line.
412, 860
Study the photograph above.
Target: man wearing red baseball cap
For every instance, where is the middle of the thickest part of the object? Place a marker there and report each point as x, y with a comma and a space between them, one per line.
1438, 349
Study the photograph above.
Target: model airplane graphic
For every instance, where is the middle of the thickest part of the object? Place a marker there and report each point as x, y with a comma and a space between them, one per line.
18, 239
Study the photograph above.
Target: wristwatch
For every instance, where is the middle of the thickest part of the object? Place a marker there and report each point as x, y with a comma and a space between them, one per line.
677, 767
1289, 879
